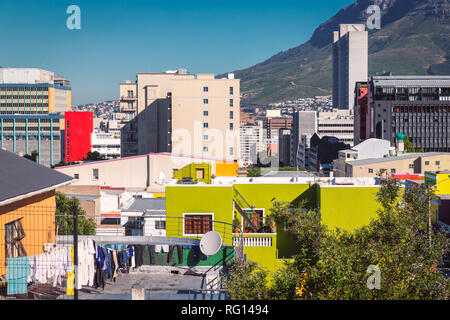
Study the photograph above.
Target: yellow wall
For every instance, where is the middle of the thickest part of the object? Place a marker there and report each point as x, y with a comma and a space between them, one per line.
443, 183
51, 99
227, 169
37, 216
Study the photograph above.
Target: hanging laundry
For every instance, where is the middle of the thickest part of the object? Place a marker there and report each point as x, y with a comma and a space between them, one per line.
17, 275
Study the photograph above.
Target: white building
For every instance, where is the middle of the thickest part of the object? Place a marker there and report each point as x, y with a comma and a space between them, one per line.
144, 217
304, 126
336, 123
368, 149
107, 144
252, 142
350, 63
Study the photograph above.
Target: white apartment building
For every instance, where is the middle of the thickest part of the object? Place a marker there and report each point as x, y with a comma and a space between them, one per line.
336, 123
350, 63
252, 142
181, 113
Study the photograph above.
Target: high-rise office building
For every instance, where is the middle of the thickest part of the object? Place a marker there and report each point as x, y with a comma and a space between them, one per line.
304, 126
251, 143
192, 114
272, 126
362, 113
416, 106
32, 106
350, 63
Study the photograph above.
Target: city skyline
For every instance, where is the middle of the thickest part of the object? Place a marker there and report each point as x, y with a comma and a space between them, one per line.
118, 39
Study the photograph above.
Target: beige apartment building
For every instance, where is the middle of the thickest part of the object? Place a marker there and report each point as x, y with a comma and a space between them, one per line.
407, 164
181, 113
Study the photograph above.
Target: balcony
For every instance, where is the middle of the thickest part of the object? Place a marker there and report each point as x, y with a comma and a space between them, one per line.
255, 240
128, 98
128, 109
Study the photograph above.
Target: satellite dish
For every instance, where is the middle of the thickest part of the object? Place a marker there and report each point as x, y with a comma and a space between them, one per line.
210, 243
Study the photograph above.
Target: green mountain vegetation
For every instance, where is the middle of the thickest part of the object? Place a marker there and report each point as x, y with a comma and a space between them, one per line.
414, 39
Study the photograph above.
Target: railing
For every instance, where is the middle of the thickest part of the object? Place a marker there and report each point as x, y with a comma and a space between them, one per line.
186, 294
255, 241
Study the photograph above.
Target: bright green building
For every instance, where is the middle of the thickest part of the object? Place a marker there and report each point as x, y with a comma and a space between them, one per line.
345, 207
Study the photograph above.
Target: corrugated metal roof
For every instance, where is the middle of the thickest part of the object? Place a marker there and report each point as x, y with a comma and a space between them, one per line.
144, 204
412, 81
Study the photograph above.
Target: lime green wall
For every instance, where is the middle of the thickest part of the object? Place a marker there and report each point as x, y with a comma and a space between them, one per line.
265, 256
190, 171
348, 207
261, 195
199, 199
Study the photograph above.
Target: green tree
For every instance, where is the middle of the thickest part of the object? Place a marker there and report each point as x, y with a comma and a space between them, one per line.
333, 264
33, 156
64, 216
93, 156
246, 281
254, 172
409, 147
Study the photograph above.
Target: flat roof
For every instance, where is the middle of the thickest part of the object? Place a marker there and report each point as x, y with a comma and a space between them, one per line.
84, 196
291, 174
157, 205
362, 162
412, 81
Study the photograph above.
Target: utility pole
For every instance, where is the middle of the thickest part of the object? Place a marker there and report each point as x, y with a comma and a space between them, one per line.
75, 250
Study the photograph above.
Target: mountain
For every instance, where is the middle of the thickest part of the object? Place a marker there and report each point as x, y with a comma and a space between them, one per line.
414, 39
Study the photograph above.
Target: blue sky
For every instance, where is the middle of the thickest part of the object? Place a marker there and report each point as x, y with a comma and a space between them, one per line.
120, 38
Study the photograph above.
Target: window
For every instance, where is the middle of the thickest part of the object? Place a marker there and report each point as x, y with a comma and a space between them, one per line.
438, 163
231, 114
427, 163
370, 170
67, 124
205, 113
13, 236
231, 102
231, 126
205, 137
231, 151
130, 93
231, 90
392, 170
200, 174
95, 174
76, 176
205, 89
205, 125
205, 149
205, 101
160, 225
197, 223
411, 166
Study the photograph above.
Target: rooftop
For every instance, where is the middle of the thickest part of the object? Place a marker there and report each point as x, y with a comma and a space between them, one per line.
20, 176
362, 162
149, 205
426, 81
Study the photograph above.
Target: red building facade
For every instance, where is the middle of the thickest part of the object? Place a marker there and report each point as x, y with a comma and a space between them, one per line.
78, 135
